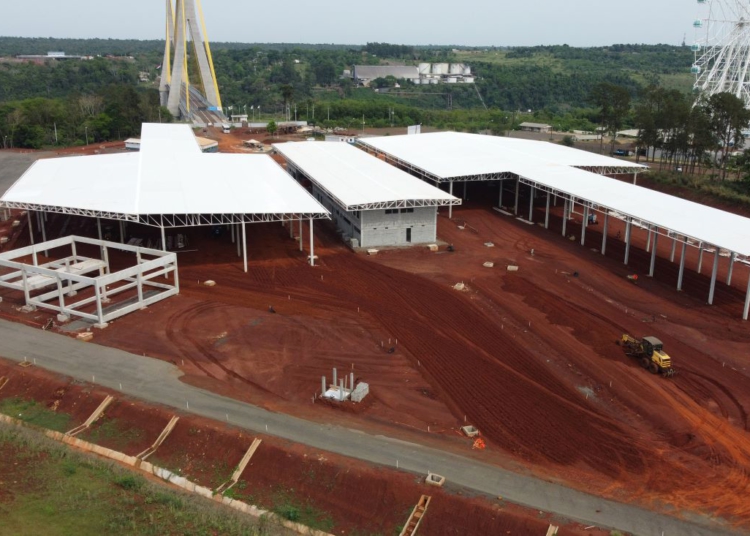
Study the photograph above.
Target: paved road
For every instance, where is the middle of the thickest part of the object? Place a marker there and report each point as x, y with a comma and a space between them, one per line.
157, 381
13, 165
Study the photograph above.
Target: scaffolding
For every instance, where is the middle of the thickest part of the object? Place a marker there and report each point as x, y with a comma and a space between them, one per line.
77, 285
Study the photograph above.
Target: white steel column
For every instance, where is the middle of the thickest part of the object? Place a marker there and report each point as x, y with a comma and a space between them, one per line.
648, 242
732, 257
604, 234
628, 231
674, 247
546, 214
747, 301
682, 263
163, 239
500, 195
312, 244
531, 203
518, 186
450, 209
300, 234
700, 257
239, 244
713, 276
565, 217
585, 224
244, 246
31, 228
231, 228
44, 230
99, 227
653, 252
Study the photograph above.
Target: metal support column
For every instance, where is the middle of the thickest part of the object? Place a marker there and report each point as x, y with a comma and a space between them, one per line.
682, 263
628, 231
450, 208
231, 230
99, 227
244, 246
163, 239
674, 247
531, 203
648, 242
44, 228
732, 258
585, 224
99, 312
518, 188
122, 232
713, 276
500, 195
291, 228
300, 234
237, 236
31, 228
635, 177
700, 257
546, 214
312, 245
604, 233
653, 253
565, 217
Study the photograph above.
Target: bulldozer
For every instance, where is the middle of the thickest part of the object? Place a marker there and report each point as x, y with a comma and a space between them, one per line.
650, 353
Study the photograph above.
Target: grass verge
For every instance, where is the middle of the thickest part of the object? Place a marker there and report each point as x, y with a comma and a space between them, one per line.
49, 489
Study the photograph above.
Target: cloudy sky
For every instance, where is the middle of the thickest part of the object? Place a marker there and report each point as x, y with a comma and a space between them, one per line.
469, 22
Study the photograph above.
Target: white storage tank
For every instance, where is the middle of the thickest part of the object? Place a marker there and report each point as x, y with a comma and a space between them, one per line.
451, 79
439, 68
457, 68
434, 80
424, 68
467, 70
468, 79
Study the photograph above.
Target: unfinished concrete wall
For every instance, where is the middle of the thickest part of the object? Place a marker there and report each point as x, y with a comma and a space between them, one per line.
349, 223
399, 227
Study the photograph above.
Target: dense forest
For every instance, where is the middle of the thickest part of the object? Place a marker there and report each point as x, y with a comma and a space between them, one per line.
552, 84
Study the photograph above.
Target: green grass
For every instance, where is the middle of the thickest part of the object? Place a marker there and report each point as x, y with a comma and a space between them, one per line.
32, 412
289, 507
58, 492
111, 430
734, 191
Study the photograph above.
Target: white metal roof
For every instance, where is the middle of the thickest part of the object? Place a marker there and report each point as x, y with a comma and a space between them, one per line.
169, 176
450, 155
359, 181
700, 222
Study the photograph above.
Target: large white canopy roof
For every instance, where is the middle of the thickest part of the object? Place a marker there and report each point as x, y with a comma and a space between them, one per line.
699, 222
443, 156
450, 155
169, 182
359, 181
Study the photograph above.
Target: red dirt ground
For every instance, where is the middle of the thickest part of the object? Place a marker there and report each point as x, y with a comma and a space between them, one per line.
528, 357
206, 451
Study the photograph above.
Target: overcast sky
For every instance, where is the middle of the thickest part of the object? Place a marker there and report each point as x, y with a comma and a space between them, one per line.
467, 22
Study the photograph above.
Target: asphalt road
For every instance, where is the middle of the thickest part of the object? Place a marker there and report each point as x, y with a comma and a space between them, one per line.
153, 380
13, 165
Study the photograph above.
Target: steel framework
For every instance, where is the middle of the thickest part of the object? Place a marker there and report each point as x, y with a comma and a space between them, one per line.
60, 280
722, 48
401, 203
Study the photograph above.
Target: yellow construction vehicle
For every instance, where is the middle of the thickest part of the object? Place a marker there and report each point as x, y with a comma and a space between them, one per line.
650, 352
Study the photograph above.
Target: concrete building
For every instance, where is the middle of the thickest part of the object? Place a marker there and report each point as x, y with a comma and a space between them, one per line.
364, 74
372, 203
535, 127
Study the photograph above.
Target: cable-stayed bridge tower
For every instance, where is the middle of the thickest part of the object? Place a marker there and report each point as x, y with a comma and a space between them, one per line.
183, 20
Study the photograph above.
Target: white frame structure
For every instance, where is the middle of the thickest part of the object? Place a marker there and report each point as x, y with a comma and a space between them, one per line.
68, 276
574, 180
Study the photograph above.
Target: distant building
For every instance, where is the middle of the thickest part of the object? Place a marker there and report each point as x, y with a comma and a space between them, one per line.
424, 73
535, 127
52, 55
206, 145
364, 74
143, 76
